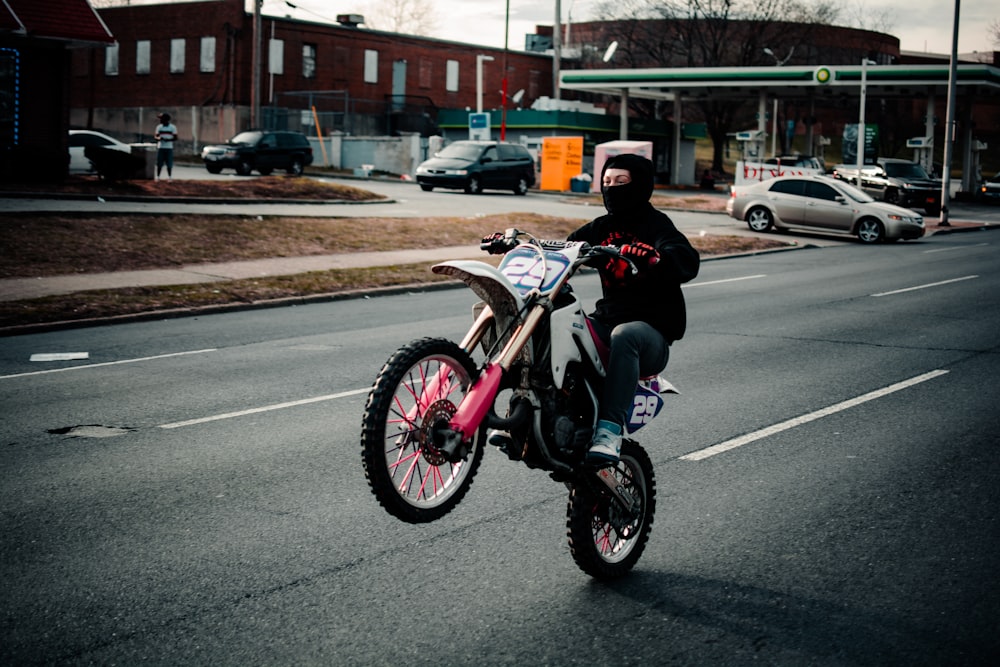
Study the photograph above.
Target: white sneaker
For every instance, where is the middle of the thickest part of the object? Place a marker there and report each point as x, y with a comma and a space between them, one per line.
606, 446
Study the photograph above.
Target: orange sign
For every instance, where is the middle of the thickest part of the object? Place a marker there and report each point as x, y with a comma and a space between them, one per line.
562, 159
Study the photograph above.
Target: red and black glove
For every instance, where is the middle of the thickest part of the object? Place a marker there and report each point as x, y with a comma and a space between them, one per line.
618, 268
642, 255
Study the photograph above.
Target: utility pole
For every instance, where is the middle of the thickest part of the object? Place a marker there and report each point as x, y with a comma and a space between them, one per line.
556, 51
949, 126
255, 75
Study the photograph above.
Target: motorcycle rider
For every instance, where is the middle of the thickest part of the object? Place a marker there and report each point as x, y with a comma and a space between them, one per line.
638, 316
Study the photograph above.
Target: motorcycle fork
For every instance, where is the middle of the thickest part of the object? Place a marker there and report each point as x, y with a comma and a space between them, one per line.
473, 408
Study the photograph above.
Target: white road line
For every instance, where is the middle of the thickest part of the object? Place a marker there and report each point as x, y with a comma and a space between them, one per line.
266, 408
108, 363
727, 280
805, 419
937, 250
910, 289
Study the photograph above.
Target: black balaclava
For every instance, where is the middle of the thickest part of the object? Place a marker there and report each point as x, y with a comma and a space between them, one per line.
633, 196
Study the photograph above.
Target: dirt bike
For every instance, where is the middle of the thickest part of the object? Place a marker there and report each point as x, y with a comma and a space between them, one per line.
428, 415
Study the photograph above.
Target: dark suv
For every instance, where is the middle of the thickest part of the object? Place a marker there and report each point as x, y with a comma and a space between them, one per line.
262, 150
899, 182
474, 166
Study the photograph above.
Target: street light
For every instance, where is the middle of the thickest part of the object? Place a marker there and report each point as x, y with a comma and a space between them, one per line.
480, 59
774, 114
861, 115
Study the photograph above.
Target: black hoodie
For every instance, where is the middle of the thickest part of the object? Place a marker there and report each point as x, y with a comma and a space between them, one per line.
653, 296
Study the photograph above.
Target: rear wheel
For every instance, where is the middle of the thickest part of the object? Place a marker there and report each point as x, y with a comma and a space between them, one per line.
759, 219
295, 168
871, 230
473, 186
605, 539
416, 393
521, 187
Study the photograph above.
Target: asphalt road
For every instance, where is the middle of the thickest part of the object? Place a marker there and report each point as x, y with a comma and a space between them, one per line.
409, 201
192, 492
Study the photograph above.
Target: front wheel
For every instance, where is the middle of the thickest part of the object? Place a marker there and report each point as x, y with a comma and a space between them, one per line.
473, 186
605, 539
416, 393
871, 231
759, 219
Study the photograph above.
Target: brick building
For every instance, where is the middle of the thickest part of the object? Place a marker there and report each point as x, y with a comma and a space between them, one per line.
195, 60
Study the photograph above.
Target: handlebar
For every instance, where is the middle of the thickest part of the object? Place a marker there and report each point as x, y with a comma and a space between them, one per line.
499, 244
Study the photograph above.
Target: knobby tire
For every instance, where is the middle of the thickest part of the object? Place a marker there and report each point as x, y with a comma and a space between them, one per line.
597, 547
419, 385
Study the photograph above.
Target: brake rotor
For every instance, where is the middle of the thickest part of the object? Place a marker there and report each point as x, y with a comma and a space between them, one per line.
437, 415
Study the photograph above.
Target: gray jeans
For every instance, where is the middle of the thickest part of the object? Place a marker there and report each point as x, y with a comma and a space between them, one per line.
637, 350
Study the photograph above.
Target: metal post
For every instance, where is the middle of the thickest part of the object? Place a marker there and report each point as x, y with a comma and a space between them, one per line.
949, 126
861, 116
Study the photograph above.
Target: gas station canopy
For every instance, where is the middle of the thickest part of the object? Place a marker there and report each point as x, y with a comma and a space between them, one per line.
912, 81
813, 84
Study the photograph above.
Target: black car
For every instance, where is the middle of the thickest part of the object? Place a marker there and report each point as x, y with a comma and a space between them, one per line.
262, 150
475, 166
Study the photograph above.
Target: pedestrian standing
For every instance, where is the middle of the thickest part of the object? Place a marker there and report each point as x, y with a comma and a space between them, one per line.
166, 135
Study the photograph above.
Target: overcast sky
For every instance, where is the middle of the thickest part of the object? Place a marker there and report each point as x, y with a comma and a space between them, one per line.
920, 25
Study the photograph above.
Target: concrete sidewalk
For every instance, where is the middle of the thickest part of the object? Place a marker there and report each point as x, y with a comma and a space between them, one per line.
18, 289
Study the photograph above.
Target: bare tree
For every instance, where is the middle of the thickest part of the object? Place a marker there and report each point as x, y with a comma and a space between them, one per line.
713, 33
993, 32
869, 16
413, 17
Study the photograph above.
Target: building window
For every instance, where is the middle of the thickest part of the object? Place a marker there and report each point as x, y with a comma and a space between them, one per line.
426, 70
276, 53
142, 56
177, 56
451, 76
111, 60
371, 66
309, 61
207, 61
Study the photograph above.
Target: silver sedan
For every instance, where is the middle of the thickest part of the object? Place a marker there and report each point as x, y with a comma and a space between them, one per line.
822, 204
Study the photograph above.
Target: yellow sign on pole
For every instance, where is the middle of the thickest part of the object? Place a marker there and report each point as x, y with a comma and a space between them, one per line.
562, 159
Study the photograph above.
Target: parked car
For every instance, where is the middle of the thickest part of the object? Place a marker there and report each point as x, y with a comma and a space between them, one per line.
896, 181
475, 166
989, 191
80, 140
818, 203
260, 150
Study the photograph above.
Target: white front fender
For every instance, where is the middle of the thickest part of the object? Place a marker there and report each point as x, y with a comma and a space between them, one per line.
488, 283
